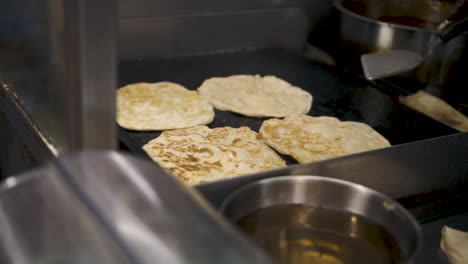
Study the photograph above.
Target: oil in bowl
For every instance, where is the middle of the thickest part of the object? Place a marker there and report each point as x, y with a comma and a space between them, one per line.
300, 234
300, 219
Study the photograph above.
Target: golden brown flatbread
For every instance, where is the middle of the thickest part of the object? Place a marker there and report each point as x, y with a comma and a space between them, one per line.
308, 138
253, 95
161, 106
200, 154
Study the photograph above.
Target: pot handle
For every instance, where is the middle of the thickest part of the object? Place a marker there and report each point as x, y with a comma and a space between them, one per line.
456, 23
454, 30
460, 11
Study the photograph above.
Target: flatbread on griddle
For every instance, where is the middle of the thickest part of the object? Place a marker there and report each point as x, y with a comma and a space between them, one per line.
256, 96
161, 106
437, 109
308, 138
200, 154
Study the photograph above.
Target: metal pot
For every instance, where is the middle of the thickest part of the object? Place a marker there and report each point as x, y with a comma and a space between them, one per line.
372, 26
321, 192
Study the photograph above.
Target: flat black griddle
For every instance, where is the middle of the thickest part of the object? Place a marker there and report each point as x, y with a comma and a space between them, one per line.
336, 93
339, 94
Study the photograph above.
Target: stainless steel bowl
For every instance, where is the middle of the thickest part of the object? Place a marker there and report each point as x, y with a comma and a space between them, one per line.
331, 194
364, 27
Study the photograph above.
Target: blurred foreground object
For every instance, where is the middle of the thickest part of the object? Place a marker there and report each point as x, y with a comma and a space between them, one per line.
106, 207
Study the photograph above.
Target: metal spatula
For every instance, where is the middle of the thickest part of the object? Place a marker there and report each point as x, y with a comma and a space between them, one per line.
392, 62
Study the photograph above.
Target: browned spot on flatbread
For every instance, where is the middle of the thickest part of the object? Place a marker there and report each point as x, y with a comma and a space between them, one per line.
192, 158
206, 150
200, 154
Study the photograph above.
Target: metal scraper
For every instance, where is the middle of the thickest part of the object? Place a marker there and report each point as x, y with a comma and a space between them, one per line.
388, 63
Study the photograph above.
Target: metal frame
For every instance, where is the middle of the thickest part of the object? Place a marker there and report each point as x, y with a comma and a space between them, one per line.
59, 82
91, 35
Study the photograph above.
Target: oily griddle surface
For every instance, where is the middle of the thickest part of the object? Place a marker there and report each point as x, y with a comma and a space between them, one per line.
335, 93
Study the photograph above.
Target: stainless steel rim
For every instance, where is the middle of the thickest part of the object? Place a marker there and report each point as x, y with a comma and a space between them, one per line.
13, 182
414, 223
338, 5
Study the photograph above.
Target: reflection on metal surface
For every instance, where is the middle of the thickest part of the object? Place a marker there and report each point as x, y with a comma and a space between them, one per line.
145, 241
137, 179
10, 242
10, 182
384, 38
42, 221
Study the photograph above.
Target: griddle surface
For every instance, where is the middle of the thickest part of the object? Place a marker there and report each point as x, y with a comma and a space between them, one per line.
335, 93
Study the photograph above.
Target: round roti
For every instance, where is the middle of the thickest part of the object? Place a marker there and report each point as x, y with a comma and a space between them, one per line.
200, 154
253, 95
308, 138
161, 106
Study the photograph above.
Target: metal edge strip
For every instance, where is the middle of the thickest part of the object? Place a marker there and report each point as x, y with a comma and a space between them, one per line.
41, 147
